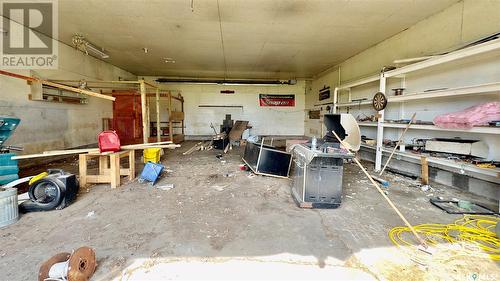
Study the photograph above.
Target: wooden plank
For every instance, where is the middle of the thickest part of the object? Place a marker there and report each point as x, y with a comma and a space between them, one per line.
158, 134
133, 146
176, 116
169, 146
424, 178
98, 178
170, 124
131, 161
115, 170
144, 112
192, 149
237, 130
56, 85
103, 164
82, 167
95, 151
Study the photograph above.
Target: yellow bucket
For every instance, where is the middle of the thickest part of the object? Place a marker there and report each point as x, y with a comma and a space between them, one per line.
151, 155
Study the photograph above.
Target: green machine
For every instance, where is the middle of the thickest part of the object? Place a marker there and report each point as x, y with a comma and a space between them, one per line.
8, 168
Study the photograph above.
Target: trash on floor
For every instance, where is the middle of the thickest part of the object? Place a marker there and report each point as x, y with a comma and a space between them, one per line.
456, 206
202, 145
165, 187
76, 266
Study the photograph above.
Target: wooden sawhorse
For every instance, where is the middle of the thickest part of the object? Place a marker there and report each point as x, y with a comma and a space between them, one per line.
109, 168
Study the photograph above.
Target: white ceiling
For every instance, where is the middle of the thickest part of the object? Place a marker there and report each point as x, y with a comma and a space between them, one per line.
259, 39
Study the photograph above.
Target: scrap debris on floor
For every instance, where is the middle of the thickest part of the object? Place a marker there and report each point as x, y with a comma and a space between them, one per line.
216, 214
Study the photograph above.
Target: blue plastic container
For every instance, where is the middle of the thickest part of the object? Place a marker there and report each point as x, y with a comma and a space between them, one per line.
7, 126
8, 168
6, 161
151, 172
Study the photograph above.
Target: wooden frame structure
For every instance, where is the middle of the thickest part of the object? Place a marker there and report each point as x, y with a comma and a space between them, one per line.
141, 85
145, 90
110, 170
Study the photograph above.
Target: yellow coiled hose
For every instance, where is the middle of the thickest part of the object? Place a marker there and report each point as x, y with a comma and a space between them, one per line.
470, 235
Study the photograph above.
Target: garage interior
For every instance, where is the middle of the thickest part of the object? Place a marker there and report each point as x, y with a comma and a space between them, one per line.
232, 139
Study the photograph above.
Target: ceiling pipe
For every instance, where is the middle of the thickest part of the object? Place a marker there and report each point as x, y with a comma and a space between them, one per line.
227, 81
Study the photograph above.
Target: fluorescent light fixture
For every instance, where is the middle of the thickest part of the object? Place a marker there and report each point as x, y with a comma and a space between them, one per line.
85, 46
169, 60
96, 51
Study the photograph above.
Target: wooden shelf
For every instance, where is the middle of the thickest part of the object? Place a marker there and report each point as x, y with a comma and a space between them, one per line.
359, 82
449, 57
479, 130
462, 91
489, 172
367, 124
489, 88
452, 56
354, 103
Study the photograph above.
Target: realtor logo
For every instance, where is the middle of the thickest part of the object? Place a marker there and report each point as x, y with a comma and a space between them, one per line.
29, 34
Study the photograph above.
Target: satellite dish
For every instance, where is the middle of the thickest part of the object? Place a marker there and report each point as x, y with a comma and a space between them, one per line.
353, 134
345, 126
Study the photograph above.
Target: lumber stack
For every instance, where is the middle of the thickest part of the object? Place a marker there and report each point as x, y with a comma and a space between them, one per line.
163, 144
206, 145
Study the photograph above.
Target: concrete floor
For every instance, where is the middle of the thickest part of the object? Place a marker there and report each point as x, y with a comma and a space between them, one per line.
219, 223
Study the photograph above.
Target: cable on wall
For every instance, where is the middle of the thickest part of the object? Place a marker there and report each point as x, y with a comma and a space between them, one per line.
222, 41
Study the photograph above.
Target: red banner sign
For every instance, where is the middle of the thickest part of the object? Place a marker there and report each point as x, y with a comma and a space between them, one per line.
276, 100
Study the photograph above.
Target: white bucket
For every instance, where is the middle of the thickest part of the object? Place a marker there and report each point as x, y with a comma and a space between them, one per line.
9, 212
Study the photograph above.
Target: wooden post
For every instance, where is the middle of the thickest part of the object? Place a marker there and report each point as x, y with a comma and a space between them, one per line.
144, 112
158, 135
57, 85
114, 169
103, 165
380, 128
131, 161
82, 166
425, 170
184, 116
170, 124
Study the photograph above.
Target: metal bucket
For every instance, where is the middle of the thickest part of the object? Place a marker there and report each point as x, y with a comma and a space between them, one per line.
9, 212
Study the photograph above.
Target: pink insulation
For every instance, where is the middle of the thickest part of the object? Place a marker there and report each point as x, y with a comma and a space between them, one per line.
477, 115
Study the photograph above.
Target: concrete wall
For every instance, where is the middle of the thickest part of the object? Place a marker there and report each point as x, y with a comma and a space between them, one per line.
278, 121
457, 25
47, 125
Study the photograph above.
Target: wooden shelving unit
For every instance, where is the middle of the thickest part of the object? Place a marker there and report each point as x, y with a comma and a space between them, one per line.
478, 89
478, 130
175, 123
452, 92
466, 167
